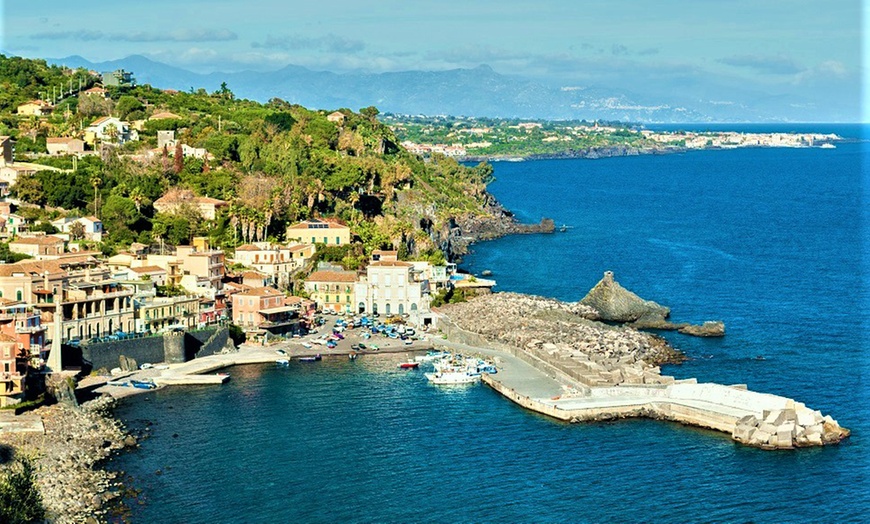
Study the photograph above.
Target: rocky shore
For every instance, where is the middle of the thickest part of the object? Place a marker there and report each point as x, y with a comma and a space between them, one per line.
77, 439
594, 353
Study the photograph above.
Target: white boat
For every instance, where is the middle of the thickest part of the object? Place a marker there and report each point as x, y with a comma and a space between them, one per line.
452, 377
282, 362
431, 356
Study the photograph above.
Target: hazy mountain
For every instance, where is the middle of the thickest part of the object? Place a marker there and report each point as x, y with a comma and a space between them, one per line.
471, 92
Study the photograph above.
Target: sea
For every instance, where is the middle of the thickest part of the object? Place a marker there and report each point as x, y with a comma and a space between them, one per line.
773, 242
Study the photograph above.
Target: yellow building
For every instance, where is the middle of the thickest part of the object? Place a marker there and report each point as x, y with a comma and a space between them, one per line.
319, 232
332, 290
34, 108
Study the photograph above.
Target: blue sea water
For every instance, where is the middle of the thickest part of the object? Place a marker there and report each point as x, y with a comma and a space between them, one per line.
772, 241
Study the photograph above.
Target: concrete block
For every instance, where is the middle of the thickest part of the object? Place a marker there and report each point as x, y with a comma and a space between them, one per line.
805, 418
749, 420
815, 429
760, 437
768, 428
785, 439
814, 439
775, 417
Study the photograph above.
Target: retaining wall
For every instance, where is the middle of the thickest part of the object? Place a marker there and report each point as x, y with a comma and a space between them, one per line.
107, 355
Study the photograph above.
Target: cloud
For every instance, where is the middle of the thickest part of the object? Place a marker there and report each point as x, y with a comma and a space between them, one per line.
329, 43
180, 35
773, 65
618, 49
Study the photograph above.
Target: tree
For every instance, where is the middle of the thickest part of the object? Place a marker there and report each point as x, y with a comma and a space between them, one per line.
179, 158
77, 230
20, 500
126, 105
370, 112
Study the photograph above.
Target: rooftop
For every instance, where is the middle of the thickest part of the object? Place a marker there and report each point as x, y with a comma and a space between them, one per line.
332, 276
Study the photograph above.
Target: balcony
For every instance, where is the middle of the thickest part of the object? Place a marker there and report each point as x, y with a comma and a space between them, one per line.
29, 329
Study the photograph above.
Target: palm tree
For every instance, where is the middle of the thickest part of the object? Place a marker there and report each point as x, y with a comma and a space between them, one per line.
96, 182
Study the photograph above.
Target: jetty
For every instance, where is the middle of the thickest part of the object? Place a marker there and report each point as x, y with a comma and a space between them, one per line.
607, 376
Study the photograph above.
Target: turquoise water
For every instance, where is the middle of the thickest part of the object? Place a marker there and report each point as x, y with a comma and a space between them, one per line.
770, 241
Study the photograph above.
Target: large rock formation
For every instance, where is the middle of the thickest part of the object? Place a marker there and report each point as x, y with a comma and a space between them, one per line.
617, 304
614, 303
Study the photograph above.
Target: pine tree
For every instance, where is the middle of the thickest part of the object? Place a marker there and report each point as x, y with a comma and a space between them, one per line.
179, 158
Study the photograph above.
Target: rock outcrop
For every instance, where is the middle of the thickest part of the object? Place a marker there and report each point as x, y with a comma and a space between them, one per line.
788, 428
614, 303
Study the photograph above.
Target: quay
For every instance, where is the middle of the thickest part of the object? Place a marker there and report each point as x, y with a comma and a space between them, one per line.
755, 419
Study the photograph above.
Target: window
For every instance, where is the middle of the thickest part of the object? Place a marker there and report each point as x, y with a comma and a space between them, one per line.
401, 309
388, 309
337, 241
325, 240
19, 295
347, 299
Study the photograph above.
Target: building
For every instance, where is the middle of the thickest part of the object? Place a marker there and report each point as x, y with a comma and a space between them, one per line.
65, 146
332, 290
262, 311
34, 108
155, 274
117, 78
165, 139
336, 117
392, 287
319, 232
39, 247
176, 199
21, 322
13, 370
13, 224
202, 261
274, 260
164, 115
110, 129
92, 226
159, 313
96, 90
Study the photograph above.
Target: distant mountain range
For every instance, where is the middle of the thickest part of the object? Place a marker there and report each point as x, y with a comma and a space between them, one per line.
477, 92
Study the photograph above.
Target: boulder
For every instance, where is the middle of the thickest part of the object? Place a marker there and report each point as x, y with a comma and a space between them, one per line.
617, 304
707, 329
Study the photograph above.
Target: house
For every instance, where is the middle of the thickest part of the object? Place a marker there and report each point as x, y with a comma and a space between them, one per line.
92, 226
261, 310
90, 304
13, 224
21, 322
119, 77
165, 139
332, 290
10, 173
319, 232
65, 146
96, 91
155, 274
38, 247
34, 108
110, 129
255, 279
164, 115
336, 117
176, 199
158, 313
201, 261
274, 260
391, 287
12, 371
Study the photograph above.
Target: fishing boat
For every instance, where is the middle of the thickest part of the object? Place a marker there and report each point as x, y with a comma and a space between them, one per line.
282, 362
352, 356
452, 377
431, 356
409, 365
315, 358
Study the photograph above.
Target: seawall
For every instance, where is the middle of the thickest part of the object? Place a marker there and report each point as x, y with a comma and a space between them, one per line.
191, 344
752, 418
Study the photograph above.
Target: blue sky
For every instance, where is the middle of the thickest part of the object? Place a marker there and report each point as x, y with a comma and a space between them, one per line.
800, 48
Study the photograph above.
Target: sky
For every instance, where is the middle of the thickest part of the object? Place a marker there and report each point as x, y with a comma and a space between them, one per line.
807, 49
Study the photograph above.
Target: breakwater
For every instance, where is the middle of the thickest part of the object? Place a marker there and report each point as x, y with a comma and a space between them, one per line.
608, 373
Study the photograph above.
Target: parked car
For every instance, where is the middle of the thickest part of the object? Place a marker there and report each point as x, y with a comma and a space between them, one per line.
331, 344
306, 345
361, 346
281, 352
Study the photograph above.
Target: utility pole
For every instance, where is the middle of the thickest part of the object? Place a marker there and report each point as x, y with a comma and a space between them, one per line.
219, 123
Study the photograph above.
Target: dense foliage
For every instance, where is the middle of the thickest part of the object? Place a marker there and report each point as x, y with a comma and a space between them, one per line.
275, 163
20, 501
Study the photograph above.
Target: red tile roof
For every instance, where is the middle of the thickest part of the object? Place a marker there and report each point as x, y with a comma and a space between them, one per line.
332, 276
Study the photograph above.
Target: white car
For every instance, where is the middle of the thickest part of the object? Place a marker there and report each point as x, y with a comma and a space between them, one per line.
306, 345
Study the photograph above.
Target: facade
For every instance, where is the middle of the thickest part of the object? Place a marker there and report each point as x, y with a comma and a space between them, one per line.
319, 232
93, 226
39, 247
336, 117
274, 260
14, 224
119, 77
21, 322
332, 290
96, 91
262, 310
5, 150
392, 287
160, 313
34, 108
155, 274
176, 199
13, 369
110, 129
202, 261
65, 146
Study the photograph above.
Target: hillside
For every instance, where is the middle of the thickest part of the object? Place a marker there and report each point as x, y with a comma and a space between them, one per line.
275, 163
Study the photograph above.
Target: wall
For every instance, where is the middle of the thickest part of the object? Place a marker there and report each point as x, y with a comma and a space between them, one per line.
150, 349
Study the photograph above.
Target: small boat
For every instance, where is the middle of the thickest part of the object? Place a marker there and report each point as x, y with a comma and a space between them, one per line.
143, 384
409, 365
452, 378
431, 356
282, 362
315, 358
351, 356
120, 383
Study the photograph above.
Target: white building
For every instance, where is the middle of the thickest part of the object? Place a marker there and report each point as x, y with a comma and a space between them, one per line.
391, 287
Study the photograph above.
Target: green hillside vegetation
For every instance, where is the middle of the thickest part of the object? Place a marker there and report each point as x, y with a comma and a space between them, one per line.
275, 163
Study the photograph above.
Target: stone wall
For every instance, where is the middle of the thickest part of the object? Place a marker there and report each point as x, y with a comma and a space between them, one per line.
107, 355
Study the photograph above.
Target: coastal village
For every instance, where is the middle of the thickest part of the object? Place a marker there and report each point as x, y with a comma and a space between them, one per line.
72, 303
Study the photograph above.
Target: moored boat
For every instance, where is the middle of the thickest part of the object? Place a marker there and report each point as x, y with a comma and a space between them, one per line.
282, 362
315, 358
409, 365
452, 377
143, 384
